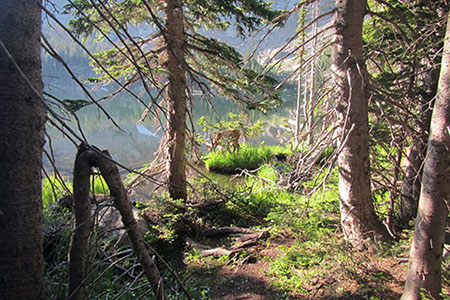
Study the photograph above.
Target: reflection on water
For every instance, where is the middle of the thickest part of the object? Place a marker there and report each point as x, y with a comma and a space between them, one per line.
133, 144
143, 130
129, 147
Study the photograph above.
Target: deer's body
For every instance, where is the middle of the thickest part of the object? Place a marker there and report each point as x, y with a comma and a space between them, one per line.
226, 139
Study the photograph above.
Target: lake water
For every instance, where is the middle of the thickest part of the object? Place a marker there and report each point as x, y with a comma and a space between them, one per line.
132, 145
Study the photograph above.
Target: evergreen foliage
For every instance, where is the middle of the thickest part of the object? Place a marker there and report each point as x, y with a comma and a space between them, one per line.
211, 63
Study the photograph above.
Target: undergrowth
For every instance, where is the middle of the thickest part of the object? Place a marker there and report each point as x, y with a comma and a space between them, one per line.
313, 259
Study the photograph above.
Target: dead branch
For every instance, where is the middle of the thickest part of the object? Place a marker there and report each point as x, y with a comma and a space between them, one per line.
86, 159
207, 251
243, 236
212, 232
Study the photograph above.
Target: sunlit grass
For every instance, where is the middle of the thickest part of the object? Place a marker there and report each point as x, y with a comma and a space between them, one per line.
248, 158
308, 252
53, 188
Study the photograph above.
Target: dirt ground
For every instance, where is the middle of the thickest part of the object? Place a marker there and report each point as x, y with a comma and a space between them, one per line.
250, 280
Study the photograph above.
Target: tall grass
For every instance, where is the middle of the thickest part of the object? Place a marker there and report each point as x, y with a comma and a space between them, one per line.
53, 189
248, 157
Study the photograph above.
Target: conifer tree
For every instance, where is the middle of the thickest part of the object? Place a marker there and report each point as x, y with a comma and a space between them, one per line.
358, 219
403, 41
22, 125
173, 58
424, 270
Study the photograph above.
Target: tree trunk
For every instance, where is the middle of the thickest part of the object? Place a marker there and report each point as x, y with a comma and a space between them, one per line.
309, 116
83, 225
416, 155
358, 219
430, 75
424, 270
22, 120
176, 99
411, 183
299, 105
301, 54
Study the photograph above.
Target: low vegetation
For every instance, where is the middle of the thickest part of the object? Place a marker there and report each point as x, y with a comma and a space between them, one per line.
55, 187
296, 249
248, 158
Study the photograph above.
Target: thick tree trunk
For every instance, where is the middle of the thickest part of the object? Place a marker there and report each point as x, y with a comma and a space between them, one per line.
358, 219
424, 271
85, 160
22, 120
176, 99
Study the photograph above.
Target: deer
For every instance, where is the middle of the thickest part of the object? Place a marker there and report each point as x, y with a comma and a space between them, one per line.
227, 139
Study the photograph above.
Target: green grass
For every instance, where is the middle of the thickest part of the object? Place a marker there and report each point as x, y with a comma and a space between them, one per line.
309, 251
258, 195
99, 185
53, 189
313, 221
249, 158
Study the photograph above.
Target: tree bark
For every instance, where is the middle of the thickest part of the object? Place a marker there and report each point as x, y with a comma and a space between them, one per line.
424, 270
413, 172
412, 183
358, 219
83, 225
309, 103
85, 160
22, 122
176, 99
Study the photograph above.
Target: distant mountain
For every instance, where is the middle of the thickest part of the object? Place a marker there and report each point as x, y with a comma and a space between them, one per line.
79, 60
277, 38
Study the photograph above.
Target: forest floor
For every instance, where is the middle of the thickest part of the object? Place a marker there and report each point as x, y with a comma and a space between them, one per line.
301, 255
368, 275
237, 239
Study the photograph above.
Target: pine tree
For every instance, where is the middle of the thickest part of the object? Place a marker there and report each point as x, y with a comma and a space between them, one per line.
358, 219
424, 270
22, 124
174, 58
404, 65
